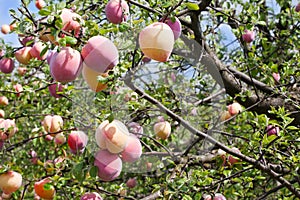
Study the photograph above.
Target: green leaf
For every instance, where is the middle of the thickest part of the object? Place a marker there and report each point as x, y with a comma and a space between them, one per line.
70, 40
44, 12
94, 171
192, 6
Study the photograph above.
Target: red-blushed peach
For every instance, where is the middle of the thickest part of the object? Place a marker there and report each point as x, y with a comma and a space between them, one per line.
133, 151
276, 77
22, 70
112, 136
66, 65
23, 55
131, 183
225, 115
272, 130
91, 78
49, 138
175, 26
71, 21
53, 123
2, 113
109, 165
77, 141
100, 54
248, 36
162, 129
39, 4
234, 108
44, 189
12, 27
157, 41
219, 196
19, 88
24, 41
7, 65
36, 50
4, 101
60, 139
91, 196
5, 29
7, 128
10, 181
117, 11
54, 89
232, 160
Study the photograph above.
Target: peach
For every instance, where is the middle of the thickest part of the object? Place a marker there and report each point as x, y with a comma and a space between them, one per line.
71, 21
4, 101
52, 124
23, 55
7, 128
22, 70
49, 138
146, 59
18, 87
59, 139
297, 9
157, 41
26, 40
91, 78
10, 182
272, 130
112, 136
162, 129
5, 29
65, 66
54, 89
133, 151
219, 196
135, 128
234, 108
117, 11
276, 77
2, 113
248, 36
175, 26
7, 65
36, 50
49, 56
91, 196
232, 160
77, 141
131, 183
12, 27
39, 4
225, 115
109, 165
100, 54
44, 189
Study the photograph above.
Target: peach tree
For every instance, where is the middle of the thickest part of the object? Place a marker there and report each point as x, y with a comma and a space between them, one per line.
135, 99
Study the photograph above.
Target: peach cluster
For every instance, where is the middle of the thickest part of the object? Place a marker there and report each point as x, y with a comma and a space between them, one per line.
116, 145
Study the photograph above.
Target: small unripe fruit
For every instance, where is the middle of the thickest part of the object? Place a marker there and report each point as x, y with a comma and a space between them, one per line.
276, 77
109, 165
7, 128
49, 138
234, 108
4, 101
146, 59
117, 11
133, 151
44, 189
10, 182
232, 160
54, 88
12, 26
248, 36
23, 55
52, 124
59, 139
162, 129
135, 128
5, 29
219, 196
40, 4
7, 65
131, 183
77, 141
2, 113
91, 196
19, 88
272, 130
22, 70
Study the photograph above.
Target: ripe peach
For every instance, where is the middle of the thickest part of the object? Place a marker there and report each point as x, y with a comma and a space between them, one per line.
162, 129
297, 9
49, 138
234, 108
52, 124
12, 26
225, 115
65, 66
27, 39
7, 128
54, 88
77, 141
5, 29
175, 26
219, 196
91, 78
248, 36
71, 21
2, 113
44, 189
272, 130
156, 41
112, 136
117, 11
60, 139
133, 151
18, 87
7, 65
109, 165
40, 4
91, 196
131, 183
4, 101
22, 70
36, 50
23, 55
100, 54
10, 182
